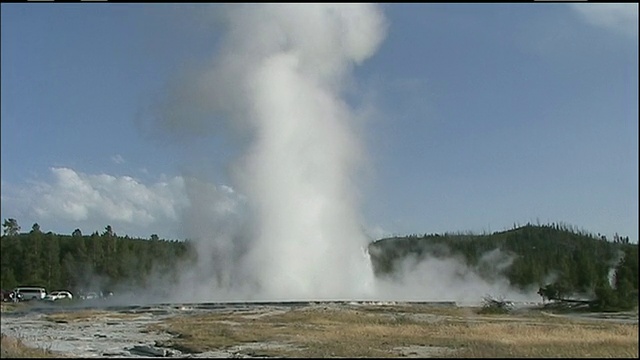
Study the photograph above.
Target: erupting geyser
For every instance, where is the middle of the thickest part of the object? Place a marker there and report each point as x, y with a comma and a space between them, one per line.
289, 226
298, 172
279, 78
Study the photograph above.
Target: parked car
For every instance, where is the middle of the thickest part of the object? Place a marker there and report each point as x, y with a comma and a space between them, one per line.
26, 293
6, 296
58, 295
89, 296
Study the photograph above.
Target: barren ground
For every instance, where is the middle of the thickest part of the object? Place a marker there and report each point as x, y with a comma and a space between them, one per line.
322, 329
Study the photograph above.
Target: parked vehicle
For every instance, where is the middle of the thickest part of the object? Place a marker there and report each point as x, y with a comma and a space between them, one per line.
26, 293
89, 296
58, 295
6, 295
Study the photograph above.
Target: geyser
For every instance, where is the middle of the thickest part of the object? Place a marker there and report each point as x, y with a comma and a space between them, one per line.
279, 78
298, 174
289, 227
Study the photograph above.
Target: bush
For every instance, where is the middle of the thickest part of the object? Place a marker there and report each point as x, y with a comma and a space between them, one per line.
491, 305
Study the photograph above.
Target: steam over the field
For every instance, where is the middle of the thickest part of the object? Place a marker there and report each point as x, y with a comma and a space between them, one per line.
278, 80
288, 227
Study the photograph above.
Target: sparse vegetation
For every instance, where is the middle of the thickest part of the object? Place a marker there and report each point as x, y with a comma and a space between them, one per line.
14, 348
492, 305
364, 332
88, 315
403, 330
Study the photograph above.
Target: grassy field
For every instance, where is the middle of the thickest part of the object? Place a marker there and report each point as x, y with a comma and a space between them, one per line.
418, 331
330, 330
13, 348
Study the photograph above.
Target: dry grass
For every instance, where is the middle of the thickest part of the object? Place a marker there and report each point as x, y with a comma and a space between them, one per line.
88, 315
384, 331
374, 331
11, 306
11, 348
553, 339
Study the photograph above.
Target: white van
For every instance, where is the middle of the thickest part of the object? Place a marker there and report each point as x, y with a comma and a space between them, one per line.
25, 293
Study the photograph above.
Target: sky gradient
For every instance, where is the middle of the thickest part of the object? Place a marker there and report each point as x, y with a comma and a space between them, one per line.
471, 117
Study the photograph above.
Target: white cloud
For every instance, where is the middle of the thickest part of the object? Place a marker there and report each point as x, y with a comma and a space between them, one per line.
621, 17
90, 202
77, 196
117, 158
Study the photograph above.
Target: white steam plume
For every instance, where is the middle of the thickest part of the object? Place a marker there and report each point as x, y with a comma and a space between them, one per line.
295, 232
280, 79
298, 173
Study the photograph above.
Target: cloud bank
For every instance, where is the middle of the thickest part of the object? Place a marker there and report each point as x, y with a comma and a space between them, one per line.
90, 202
620, 18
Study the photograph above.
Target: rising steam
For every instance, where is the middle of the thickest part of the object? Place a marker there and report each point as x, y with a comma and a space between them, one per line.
279, 79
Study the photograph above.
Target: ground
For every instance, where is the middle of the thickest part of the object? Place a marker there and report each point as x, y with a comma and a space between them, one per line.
319, 329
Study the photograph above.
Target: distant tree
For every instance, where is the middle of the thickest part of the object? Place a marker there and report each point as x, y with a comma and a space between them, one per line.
108, 230
96, 252
11, 227
35, 228
8, 279
626, 279
70, 274
9, 253
76, 233
11, 256
548, 292
154, 237
606, 298
33, 257
52, 269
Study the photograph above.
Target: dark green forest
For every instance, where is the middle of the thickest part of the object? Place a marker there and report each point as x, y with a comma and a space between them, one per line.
558, 260
561, 262
83, 263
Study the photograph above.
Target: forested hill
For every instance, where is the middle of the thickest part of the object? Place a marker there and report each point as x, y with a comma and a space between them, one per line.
539, 255
558, 260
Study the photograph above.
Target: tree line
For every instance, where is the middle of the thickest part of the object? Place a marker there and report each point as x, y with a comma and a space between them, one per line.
560, 261
80, 262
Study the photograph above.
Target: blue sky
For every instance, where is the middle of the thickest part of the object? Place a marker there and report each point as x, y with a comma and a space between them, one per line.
478, 117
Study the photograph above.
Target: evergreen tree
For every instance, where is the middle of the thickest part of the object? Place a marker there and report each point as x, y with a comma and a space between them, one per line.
626, 279
71, 277
33, 258
10, 227
52, 269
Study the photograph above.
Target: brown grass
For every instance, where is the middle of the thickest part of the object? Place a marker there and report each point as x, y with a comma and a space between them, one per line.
88, 315
11, 306
383, 332
375, 331
11, 347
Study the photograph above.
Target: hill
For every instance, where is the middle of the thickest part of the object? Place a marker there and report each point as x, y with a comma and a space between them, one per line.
561, 262
558, 259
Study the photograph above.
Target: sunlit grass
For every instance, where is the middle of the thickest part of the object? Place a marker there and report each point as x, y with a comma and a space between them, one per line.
89, 315
374, 331
13, 347
333, 332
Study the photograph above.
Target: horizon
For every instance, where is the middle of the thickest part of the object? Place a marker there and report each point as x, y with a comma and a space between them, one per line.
461, 117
